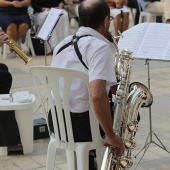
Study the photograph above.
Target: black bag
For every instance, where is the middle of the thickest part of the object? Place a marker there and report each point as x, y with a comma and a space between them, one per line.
38, 45
40, 129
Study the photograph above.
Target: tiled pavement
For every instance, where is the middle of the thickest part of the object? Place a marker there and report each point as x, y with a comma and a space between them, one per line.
154, 159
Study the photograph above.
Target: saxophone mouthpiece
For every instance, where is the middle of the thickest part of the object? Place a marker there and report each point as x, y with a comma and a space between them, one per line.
120, 34
109, 37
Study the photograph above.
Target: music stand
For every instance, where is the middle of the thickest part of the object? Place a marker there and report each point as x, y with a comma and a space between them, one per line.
149, 139
45, 32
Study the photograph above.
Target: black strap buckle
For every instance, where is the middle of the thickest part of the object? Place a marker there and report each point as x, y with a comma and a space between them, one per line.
74, 39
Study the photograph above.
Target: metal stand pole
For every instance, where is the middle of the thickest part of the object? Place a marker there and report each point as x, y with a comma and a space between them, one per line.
45, 51
45, 55
149, 138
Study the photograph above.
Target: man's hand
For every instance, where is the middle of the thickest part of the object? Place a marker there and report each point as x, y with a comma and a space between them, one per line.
114, 89
3, 38
116, 142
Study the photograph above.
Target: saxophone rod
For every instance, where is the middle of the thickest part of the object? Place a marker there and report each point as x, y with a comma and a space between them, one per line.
15, 47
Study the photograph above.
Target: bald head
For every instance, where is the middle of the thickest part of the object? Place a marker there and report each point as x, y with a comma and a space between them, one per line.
93, 12
89, 3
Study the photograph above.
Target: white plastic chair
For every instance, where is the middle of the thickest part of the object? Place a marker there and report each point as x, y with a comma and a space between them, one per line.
148, 17
49, 77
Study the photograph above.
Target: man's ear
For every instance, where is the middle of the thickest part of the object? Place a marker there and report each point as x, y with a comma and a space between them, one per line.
105, 22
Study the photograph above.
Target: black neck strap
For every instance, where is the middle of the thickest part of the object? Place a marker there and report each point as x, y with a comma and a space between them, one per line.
74, 41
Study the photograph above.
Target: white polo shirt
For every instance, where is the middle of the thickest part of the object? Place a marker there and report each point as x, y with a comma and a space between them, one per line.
96, 54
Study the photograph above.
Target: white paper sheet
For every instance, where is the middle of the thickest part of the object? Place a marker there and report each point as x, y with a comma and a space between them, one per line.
147, 41
49, 24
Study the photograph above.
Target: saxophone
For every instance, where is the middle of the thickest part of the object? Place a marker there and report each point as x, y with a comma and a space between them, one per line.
15, 46
129, 97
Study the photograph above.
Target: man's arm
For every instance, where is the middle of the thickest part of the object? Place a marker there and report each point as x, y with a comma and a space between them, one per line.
3, 37
101, 105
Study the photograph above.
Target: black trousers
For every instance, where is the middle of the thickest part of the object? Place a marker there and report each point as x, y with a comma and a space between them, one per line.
134, 4
81, 131
9, 133
5, 79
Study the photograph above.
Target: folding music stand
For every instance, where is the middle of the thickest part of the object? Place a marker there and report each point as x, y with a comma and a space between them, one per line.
46, 30
149, 139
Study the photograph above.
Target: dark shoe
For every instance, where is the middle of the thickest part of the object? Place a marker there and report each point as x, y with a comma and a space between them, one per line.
168, 21
92, 163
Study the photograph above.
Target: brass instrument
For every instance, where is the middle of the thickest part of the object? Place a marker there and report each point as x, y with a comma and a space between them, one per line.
129, 97
14, 46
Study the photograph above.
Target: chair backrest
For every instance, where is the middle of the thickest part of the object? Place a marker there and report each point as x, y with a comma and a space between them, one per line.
50, 77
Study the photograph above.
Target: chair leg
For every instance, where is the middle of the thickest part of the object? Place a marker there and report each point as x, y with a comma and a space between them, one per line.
29, 43
140, 19
99, 153
82, 155
5, 51
71, 160
51, 154
3, 151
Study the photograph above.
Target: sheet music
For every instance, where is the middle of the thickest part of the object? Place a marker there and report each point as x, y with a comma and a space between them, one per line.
49, 23
152, 41
155, 41
132, 38
167, 52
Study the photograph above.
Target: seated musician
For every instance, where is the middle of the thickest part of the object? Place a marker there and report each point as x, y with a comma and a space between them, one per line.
98, 64
9, 133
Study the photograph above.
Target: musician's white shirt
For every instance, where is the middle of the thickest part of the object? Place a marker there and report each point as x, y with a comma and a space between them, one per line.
96, 54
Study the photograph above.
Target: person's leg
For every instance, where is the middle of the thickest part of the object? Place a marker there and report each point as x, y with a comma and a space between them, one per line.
12, 31
22, 29
125, 21
155, 7
134, 4
166, 6
162, 7
117, 24
5, 82
168, 21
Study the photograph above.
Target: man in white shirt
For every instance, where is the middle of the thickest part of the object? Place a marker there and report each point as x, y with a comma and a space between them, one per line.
157, 6
98, 63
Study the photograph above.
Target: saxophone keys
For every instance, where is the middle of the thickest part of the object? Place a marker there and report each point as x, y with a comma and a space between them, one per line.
130, 143
126, 162
133, 126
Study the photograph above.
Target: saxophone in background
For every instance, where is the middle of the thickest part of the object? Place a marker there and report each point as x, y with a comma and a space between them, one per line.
129, 98
15, 47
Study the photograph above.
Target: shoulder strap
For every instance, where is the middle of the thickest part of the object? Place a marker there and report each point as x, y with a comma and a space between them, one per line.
74, 41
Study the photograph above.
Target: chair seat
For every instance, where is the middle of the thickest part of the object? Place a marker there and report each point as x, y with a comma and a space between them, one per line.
148, 17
